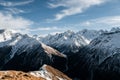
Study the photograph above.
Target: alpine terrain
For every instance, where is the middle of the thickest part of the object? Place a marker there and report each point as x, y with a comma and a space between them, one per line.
83, 55
70, 41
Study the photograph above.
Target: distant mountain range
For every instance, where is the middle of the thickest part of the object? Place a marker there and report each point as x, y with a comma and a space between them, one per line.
70, 41
83, 55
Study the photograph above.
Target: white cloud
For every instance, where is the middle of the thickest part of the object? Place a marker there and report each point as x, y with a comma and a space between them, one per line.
103, 22
44, 29
112, 20
72, 7
8, 21
13, 10
12, 4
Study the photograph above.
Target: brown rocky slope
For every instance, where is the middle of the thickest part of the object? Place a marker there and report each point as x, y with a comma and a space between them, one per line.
45, 73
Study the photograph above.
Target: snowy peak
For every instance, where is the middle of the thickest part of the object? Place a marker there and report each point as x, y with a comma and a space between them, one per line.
101, 57
9, 38
70, 41
5, 35
109, 39
34, 52
106, 45
68, 33
90, 34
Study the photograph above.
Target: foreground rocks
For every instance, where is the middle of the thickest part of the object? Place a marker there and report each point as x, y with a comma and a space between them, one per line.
17, 75
45, 73
49, 73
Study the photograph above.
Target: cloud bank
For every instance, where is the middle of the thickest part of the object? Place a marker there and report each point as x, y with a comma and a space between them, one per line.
72, 7
111, 20
13, 4
8, 21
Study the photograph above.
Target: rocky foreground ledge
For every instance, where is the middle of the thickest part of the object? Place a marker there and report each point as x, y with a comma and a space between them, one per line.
17, 75
45, 73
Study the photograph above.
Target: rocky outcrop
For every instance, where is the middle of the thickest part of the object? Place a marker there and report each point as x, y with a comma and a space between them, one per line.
17, 75
45, 73
49, 73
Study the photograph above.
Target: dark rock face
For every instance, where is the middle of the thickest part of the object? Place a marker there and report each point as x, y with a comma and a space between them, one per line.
27, 61
84, 65
60, 63
28, 55
3, 53
67, 49
79, 65
100, 60
109, 69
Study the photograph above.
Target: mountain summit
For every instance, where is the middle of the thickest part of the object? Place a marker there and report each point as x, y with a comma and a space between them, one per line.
28, 53
70, 41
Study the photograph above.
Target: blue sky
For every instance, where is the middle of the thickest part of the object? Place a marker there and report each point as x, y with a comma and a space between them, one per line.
50, 16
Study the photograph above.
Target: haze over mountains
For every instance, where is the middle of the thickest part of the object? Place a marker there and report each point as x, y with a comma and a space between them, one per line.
83, 55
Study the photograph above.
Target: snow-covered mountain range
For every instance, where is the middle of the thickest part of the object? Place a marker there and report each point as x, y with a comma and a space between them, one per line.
5, 35
92, 55
106, 55
28, 53
70, 41
99, 60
